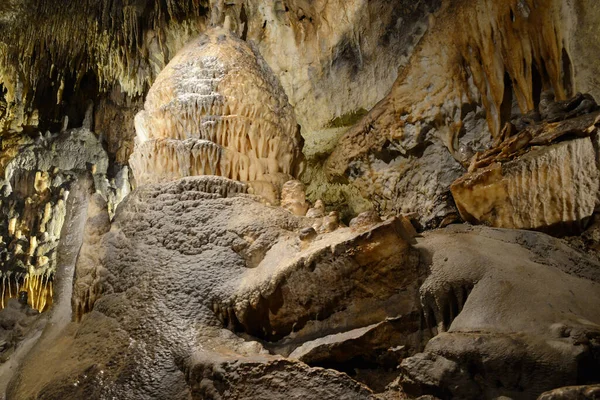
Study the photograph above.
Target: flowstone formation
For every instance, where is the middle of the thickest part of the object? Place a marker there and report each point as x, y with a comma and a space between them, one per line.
545, 177
241, 268
217, 109
185, 260
207, 293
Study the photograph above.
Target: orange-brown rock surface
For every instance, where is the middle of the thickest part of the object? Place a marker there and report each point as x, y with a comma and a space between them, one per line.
544, 177
453, 97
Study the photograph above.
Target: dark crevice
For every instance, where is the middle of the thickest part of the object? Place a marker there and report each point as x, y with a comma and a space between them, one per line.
537, 86
244, 21
507, 100
374, 375
567, 73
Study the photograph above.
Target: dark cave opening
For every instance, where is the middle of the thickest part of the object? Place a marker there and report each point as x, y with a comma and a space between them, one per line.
77, 93
244, 21
77, 101
567, 73
507, 100
537, 86
3, 105
376, 374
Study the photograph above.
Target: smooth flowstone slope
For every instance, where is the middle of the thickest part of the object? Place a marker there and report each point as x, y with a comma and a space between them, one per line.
517, 313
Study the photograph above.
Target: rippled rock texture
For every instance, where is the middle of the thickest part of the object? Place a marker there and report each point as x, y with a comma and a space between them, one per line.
545, 177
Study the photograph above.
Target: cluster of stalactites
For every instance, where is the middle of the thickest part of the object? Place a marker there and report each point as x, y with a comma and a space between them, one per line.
505, 50
114, 40
36, 287
216, 110
35, 214
514, 49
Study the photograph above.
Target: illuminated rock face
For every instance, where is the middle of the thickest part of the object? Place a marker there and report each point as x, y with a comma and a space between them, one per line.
446, 104
535, 179
217, 109
553, 185
34, 207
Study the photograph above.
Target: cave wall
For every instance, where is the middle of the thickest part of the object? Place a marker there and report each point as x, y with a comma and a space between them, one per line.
584, 44
392, 99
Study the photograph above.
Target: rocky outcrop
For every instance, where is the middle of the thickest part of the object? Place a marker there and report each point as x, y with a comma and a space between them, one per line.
185, 260
35, 192
197, 286
449, 104
536, 179
573, 392
223, 288
515, 315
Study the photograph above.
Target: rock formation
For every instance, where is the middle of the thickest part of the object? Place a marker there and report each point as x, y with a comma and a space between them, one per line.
35, 192
405, 153
290, 199
538, 178
217, 109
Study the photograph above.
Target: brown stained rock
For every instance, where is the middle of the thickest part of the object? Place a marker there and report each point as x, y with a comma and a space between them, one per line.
318, 211
218, 376
533, 180
354, 271
404, 154
393, 339
590, 392
365, 219
515, 143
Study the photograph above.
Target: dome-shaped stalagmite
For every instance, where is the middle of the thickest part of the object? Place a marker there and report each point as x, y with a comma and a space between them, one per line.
217, 109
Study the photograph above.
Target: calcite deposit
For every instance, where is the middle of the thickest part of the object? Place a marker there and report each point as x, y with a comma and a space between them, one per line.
545, 177
35, 193
217, 109
448, 104
299, 200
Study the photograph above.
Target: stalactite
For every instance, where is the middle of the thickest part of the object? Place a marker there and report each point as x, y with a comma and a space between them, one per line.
37, 288
111, 37
499, 43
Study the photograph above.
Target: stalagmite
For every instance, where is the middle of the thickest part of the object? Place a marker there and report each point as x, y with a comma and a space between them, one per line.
217, 109
293, 198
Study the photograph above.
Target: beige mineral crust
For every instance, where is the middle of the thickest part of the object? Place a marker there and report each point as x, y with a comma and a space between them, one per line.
217, 109
535, 179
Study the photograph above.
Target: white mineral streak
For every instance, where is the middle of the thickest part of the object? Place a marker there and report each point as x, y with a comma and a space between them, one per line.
216, 109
